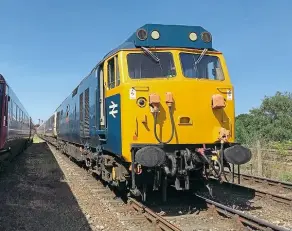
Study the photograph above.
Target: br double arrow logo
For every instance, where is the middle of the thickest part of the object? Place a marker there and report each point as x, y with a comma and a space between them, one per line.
113, 110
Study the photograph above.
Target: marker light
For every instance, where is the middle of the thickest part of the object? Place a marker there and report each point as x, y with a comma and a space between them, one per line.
193, 36
206, 37
141, 102
155, 34
142, 34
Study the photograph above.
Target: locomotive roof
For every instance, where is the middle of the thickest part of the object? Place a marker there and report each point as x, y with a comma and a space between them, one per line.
159, 35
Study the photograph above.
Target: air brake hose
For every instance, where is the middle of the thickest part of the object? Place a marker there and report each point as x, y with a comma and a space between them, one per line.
172, 126
210, 163
173, 166
222, 160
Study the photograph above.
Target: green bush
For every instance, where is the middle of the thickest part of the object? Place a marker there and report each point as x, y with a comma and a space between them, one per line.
270, 123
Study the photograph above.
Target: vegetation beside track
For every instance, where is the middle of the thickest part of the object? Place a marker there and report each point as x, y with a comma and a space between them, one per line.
267, 130
37, 140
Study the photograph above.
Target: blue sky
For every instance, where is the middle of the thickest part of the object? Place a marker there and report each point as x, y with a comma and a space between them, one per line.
48, 46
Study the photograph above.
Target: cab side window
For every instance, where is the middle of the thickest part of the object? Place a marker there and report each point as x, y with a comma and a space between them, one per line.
113, 73
117, 71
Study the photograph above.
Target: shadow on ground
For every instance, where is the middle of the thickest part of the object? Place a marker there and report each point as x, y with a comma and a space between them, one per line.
34, 195
186, 202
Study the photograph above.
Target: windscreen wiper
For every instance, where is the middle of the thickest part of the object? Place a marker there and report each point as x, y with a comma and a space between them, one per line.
154, 57
199, 59
201, 56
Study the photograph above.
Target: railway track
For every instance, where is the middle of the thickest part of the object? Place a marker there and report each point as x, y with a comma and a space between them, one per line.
153, 220
262, 180
157, 221
240, 220
260, 193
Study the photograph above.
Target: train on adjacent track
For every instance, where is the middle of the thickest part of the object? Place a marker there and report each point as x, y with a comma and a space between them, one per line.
157, 111
16, 127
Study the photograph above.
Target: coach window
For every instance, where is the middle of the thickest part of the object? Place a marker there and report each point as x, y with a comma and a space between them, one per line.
16, 117
67, 111
12, 110
18, 114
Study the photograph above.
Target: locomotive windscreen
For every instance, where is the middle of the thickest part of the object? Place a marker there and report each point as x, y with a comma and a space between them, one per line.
206, 67
141, 65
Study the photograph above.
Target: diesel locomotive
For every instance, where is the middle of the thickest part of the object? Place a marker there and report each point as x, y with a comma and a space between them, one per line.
156, 111
16, 127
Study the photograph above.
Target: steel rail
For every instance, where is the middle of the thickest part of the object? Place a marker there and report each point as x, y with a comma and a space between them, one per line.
244, 219
282, 184
159, 222
275, 197
260, 193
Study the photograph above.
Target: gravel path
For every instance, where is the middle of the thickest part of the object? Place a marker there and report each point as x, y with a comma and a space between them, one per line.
34, 196
43, 190
96, 202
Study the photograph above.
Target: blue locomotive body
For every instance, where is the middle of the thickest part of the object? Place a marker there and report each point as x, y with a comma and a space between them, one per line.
76, 119
78, 122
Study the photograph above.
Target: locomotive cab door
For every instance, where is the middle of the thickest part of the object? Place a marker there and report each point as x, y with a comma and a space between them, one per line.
100, 97
112, 105
108, 78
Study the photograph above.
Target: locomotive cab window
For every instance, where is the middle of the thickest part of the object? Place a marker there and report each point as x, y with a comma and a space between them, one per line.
117, 71
113, 75
205, 67
156, 65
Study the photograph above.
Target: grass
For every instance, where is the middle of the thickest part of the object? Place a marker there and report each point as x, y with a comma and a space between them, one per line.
37, 140
286, 176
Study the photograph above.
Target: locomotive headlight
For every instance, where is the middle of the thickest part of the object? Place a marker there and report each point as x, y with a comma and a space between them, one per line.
155, 34
206, 37
193, 36
141, 102
142, 34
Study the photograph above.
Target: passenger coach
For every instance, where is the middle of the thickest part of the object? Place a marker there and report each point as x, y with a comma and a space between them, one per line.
16, 128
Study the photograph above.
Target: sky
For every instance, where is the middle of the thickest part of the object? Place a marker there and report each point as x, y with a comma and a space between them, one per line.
48, 46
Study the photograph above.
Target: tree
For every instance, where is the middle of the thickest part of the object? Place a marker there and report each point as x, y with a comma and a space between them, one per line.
272, 121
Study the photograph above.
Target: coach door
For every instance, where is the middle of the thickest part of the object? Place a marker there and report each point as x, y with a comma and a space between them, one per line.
2, 101
2, 105
3, 112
